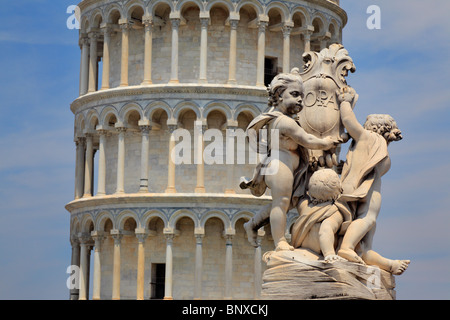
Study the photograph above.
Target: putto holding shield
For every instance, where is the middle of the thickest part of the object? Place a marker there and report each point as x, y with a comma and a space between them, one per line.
311, 112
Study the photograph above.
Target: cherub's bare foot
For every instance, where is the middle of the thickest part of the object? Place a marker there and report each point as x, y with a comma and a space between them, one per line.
350, 255
252, 234
284, 246
333, 258
399, 266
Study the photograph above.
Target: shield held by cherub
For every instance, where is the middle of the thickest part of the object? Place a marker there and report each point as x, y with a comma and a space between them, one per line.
324, 73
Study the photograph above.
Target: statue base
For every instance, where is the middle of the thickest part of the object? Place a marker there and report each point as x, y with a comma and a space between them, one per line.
304, 275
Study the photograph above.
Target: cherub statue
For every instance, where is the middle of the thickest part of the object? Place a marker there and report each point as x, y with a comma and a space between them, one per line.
291, 160
321, 216
367, 161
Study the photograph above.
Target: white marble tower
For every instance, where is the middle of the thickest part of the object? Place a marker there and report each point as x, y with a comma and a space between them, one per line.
150, 228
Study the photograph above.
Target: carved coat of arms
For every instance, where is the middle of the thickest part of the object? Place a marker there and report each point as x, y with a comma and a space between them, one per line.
323, 74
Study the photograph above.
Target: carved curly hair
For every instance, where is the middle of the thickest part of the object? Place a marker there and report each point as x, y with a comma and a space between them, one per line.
279, 84
324, 185
382, 124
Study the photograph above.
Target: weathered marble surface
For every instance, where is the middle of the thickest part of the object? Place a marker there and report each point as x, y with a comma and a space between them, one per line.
303, 275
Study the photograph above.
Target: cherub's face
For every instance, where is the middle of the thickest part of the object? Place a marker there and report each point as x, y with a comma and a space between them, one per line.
394, 135
291, 99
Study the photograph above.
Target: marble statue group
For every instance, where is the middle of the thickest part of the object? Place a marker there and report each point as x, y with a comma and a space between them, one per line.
338, 202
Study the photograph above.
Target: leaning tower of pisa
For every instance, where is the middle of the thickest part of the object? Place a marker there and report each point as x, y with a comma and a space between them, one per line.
143, 226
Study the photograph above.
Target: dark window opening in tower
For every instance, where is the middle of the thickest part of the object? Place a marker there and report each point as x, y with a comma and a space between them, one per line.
270, 69
158, 280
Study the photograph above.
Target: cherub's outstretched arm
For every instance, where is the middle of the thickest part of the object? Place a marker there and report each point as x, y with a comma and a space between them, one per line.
354, 128
291, 129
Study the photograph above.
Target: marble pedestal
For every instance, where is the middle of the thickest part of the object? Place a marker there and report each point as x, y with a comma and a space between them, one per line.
302, 275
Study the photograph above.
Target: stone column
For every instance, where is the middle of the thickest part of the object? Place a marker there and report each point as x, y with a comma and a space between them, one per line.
174, 63
106, 60
93, 36
121, 160
233, 52
230, 180
124, 25
198, 266
200, 188
171, 164
229, 188
84, 267
79, 167
286, 48
89, 248
203, 50
141, 235
324, 40
148, 22
169, 267
261, 53
228, 267
98, 238
116, 264
101, 183
88, 166
258, 268
323, 44
307, 40
145, 129
75, 261
84, 74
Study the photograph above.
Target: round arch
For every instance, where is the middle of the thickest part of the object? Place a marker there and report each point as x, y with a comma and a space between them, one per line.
110, 10
153, 214
253, 110
334, 30
159, 3
186, 105
75, 226
183, 3
84, 25
86, 221
132, 5
106, 113
217, 106
246, 215
127, 108
152, 107
183, 213
101, 220
79, 124
303, 14
216, 214
280, 8
91, 116
322, 23
96, 18
256, 5
224, 3
124, 216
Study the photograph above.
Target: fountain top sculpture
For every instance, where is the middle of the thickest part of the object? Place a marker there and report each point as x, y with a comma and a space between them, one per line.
337, 214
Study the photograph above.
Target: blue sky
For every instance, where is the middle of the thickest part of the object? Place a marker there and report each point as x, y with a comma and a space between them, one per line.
402, 69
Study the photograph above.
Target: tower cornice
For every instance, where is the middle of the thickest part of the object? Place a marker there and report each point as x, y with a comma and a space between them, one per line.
213, 89
328, 4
